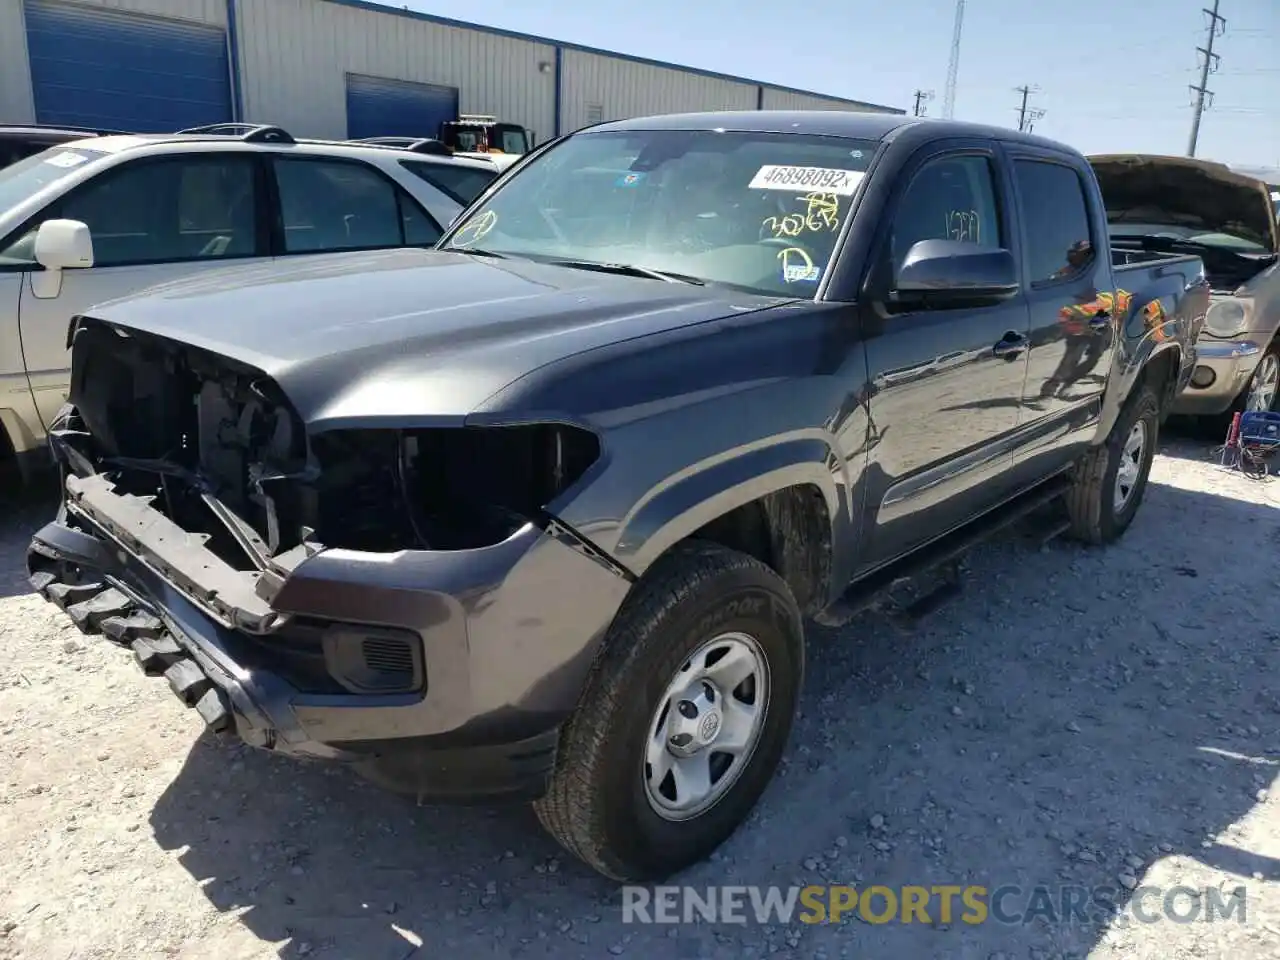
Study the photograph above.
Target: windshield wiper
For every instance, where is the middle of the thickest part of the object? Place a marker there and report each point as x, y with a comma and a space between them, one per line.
629, 270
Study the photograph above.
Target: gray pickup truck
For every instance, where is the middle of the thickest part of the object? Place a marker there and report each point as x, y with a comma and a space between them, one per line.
540, 514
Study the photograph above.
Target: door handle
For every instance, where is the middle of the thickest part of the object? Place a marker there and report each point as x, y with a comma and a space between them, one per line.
1010, 346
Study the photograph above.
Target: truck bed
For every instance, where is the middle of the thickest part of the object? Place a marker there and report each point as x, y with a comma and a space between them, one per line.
1164, 289
1125, 260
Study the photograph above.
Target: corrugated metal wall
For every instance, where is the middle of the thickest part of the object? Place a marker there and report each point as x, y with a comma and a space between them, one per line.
16, 104
624, 88
212, 12
775, 99
295, 55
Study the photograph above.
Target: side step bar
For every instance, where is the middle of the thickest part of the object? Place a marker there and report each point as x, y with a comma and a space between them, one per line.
872, 591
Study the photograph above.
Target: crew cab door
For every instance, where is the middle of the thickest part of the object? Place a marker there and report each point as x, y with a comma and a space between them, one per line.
1074, 311
946, 383
151, 221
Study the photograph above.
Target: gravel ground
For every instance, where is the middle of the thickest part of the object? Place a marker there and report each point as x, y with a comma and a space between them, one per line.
1073, 717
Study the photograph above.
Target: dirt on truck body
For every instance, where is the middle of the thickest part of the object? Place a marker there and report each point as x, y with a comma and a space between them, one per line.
539, 514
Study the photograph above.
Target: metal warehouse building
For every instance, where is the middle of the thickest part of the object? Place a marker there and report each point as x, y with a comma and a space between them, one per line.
332, 69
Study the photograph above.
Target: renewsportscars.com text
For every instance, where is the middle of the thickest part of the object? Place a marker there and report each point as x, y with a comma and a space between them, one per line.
950, 903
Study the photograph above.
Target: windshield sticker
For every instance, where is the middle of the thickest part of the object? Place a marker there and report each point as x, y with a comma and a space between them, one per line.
474, 230
629, 179
66, 160
798, 266
799, 273
826, 179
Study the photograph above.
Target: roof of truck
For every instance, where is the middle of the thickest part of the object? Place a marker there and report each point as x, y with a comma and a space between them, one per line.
831, 123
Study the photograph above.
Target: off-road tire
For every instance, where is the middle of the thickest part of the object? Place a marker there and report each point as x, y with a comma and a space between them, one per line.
1090, 500
596, 806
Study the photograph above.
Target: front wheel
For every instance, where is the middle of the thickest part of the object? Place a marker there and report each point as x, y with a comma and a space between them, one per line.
1109, 482
684, 718
1263, 391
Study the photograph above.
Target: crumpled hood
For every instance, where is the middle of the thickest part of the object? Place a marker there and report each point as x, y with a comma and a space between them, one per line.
1195, 193
409, 334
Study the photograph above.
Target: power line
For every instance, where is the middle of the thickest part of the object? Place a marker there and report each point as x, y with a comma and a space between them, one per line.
953, 67
1210, 63
922, 97
1027, 117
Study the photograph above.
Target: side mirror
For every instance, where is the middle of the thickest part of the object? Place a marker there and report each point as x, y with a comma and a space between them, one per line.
954, 273
60, 245
64, 245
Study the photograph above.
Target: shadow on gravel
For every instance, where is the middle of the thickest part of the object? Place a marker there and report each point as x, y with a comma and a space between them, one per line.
1072, 717
22, 512
1193, 438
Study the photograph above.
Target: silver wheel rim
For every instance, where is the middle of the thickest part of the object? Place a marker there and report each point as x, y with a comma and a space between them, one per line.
706, 726
1262, 392
1130, 465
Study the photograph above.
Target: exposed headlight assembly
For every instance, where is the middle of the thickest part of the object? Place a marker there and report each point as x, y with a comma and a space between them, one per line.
1226, 318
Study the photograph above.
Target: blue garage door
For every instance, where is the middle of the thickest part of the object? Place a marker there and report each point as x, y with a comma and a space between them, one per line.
377, 107
101, 68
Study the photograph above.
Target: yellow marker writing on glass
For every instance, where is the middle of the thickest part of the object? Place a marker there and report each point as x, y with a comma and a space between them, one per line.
475, 231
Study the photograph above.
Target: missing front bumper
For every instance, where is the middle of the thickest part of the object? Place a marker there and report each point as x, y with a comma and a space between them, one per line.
103, 593
235, 598
508, 634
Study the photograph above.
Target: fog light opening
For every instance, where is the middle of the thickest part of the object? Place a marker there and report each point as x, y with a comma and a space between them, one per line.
1203, 377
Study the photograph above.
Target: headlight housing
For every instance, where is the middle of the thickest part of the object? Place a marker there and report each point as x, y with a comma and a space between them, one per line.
1226, 318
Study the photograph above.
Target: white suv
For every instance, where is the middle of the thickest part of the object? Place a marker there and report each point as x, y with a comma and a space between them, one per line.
98, 219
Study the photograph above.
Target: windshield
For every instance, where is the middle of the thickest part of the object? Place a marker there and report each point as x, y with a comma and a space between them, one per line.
1226, 241
758, 211
22, 179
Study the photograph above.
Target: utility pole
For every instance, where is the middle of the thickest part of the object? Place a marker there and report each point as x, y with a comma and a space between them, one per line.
1202, 92
922, 97
953, 66
1027, 118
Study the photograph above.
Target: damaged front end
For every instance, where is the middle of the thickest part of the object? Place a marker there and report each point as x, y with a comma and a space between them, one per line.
351, 563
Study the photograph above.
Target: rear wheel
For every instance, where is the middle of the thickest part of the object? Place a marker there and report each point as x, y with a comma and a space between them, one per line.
684, 719
1109, 481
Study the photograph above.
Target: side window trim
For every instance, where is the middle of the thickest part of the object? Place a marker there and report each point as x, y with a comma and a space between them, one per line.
1024, 220
399, 194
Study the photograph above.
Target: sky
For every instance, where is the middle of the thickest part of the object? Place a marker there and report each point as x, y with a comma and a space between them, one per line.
1110, 75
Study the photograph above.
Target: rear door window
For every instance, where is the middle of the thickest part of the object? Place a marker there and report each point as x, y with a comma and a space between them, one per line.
1056, 215
460, 183
335, 205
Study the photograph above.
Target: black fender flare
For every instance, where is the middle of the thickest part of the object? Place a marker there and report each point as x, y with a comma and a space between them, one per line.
700, 494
